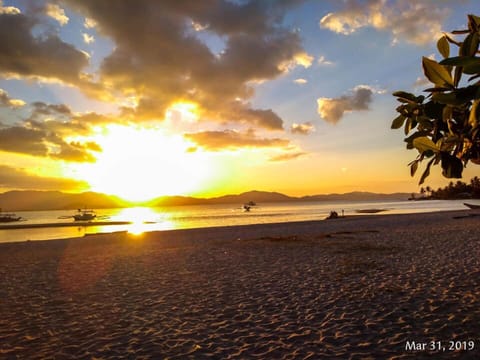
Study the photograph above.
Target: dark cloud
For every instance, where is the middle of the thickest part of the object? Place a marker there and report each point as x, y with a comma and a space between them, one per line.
332, 110
19, 139
41, 141
46, 56
230, 139
13, 178
159, 58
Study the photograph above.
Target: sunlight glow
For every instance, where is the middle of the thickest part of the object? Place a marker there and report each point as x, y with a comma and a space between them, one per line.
140, 164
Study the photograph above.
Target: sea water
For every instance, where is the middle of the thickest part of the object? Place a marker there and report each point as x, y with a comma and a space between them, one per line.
200, 216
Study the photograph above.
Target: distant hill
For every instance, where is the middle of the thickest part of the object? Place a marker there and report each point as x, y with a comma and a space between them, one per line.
266, 197
56, 200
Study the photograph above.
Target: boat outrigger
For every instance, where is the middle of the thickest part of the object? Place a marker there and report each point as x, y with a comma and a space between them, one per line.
9, 217
85, 215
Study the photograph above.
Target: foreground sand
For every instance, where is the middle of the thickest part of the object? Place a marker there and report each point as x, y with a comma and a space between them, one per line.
348, 288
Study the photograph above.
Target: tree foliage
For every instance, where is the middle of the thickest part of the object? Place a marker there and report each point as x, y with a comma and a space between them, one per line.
444, 125
458, 190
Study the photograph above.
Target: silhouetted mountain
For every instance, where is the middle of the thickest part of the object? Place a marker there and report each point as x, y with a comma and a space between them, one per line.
55, 200
266, 197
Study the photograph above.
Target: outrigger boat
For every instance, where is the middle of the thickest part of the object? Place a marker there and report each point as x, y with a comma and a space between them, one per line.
85, 215
472, 206
9, 217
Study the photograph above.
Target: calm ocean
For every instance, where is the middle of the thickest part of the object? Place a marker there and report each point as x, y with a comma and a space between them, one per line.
182, 217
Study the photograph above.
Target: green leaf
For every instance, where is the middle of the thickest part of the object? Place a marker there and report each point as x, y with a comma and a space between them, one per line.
407, 96
474, 113
426, 172
452, 166
423, 144
397, 123
413, 168
436, 73
470, 45
460, 61
475, 19
472, 69
443, 46
449, 98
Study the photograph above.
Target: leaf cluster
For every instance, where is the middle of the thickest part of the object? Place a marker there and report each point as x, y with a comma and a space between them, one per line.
443, 126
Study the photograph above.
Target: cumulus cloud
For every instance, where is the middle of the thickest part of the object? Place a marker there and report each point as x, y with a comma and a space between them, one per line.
302, 129
38, 142
5, 100
46, 56
231, 139
20, 179
417, 22
11, 10
57, 13
333, 109
47, 130
172, 63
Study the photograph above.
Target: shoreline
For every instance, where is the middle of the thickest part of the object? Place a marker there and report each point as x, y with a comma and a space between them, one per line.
226, 230
356, 287
326, 223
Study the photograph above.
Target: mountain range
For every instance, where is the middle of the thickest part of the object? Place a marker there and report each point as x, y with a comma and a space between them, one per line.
56, 200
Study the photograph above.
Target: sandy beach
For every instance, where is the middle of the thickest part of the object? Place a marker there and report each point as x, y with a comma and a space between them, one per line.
366, 287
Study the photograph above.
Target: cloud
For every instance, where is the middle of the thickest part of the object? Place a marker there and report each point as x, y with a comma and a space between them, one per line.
11, 10
89, 23
19, 139
88, 39
300, 81
332, 110
54, 131
45, 56
323, 61
413, 21
422, 82
171, 62
302, 129
288, 156
5, 100
12, 178
231, 139
57, 13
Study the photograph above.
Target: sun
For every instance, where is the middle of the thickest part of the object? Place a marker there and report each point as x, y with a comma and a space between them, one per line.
139, 164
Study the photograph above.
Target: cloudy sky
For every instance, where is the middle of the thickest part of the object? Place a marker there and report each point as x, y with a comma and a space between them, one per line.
140, 98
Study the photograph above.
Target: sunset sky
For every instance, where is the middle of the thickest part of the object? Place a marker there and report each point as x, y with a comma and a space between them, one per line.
142, 98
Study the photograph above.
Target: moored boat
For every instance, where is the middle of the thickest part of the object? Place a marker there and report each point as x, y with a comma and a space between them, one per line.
472, 206
85, 215
8, 217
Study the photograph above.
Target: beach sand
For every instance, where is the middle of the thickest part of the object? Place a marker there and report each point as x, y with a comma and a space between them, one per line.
363, 287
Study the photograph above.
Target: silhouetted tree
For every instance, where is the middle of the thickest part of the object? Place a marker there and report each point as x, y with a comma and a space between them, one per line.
444, 126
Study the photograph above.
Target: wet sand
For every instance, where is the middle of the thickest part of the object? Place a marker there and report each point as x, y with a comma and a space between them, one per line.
364, 287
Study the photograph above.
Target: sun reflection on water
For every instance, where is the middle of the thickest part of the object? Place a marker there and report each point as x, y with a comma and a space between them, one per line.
144, 219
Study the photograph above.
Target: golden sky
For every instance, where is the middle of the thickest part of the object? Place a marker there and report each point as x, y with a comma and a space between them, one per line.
147, 98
